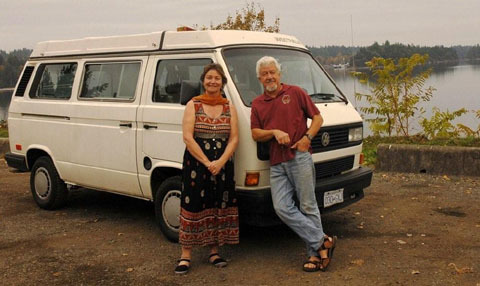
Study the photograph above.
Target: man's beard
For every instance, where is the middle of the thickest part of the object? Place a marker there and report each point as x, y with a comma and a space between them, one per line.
271, 88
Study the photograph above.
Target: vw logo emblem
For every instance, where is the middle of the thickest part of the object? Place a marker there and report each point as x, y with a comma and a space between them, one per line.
325, 139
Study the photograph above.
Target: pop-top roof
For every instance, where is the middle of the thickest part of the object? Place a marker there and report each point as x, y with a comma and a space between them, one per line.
153, 42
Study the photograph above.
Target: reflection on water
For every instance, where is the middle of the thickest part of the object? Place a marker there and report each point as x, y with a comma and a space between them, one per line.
456, 87
5, 97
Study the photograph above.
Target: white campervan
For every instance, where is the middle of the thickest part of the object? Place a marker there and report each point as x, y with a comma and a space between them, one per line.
105, 113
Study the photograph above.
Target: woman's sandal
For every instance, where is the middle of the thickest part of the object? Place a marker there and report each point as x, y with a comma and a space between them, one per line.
182, 268
217, 262
328, 244
311, 269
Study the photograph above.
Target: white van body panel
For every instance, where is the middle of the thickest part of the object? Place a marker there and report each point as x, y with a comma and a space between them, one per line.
145, 178
103, 152
168, 120
330, 113
41, 125
335, 154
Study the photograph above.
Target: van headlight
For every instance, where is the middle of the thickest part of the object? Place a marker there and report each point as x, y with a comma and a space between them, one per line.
355, 134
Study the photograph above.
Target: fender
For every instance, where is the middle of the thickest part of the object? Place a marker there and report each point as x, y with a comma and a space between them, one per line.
45, 149
160, 169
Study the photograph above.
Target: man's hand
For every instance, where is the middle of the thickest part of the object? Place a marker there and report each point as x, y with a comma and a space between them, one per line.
281, 137
302, 145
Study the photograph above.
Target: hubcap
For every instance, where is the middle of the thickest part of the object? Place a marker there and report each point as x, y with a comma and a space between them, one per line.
42, 182
171, 209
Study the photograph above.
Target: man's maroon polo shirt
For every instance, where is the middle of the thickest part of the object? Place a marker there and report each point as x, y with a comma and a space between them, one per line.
287, 112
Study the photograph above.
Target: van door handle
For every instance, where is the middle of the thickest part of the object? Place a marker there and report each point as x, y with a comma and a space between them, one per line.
146, 126
129, 125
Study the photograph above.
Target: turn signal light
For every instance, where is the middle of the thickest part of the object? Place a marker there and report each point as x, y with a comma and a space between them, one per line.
362, 159
18, 147
252, 179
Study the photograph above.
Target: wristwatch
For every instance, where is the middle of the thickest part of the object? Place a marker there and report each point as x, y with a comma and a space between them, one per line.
310, 137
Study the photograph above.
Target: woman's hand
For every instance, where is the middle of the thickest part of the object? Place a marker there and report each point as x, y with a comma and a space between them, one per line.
215, 166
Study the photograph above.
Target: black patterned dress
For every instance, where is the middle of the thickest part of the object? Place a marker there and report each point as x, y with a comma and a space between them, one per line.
209, 213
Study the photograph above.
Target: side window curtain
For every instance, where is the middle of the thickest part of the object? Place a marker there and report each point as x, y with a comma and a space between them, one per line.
169, 76
110, 80
53, 81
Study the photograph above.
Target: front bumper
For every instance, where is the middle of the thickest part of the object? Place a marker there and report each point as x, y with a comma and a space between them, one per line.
256, 207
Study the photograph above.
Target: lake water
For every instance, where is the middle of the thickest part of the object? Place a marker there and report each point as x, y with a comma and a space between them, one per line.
456, 87
5, 97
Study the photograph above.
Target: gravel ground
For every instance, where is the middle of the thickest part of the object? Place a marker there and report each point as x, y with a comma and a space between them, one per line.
410, 229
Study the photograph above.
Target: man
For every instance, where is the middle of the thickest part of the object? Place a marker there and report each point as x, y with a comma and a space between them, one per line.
280, 115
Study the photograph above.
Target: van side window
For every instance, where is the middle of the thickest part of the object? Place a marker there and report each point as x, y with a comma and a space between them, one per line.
53, 81
110, 80
170, 74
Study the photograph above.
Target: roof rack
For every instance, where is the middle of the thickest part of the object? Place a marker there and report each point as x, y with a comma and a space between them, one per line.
162, 40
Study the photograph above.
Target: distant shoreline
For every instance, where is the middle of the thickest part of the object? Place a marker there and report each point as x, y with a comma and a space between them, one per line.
430, 63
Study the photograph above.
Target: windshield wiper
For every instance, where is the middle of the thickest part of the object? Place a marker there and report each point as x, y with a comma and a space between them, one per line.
323, 95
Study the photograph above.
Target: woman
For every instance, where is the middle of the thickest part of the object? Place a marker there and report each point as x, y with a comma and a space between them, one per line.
209, 215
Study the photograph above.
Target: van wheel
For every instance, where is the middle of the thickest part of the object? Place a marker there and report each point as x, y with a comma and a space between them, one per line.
167, 207
48, 190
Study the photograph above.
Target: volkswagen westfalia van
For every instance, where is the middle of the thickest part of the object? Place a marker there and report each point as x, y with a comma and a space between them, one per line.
105, 113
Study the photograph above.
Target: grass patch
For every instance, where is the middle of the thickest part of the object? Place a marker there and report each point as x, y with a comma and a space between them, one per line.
3, 132
370, 144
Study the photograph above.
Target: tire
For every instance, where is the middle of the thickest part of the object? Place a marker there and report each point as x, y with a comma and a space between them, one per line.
167, 207
48, 190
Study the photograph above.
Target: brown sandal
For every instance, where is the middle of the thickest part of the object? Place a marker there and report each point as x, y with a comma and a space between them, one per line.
328, 244
218, 261
311, 269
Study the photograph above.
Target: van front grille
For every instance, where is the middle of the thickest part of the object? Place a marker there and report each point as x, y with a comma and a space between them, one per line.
337, 138
334, 167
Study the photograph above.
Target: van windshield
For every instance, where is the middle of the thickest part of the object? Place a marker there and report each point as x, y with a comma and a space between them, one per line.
298, 68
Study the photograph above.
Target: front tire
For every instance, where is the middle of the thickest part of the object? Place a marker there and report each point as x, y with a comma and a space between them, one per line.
167, 207
48, 190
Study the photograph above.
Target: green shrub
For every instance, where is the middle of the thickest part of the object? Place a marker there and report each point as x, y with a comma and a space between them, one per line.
3, 133
440, 124
3, 129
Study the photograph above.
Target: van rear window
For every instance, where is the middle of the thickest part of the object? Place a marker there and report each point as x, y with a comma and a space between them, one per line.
110, 80
53, 81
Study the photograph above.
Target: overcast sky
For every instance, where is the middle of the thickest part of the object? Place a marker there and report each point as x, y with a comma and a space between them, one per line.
314, 22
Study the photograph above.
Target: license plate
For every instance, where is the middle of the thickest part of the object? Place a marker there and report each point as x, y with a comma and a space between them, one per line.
331, 198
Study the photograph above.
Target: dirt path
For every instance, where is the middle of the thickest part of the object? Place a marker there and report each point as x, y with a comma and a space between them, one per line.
408, 230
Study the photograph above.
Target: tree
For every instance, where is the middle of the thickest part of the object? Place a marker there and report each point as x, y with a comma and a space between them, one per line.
473, 53
9, 76
396, 93
3, 55
11, 65
247, 19
397, 51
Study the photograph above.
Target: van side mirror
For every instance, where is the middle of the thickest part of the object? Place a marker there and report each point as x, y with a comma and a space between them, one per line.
188, 90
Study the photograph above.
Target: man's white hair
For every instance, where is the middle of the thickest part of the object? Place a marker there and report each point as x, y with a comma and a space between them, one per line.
265, 61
